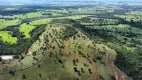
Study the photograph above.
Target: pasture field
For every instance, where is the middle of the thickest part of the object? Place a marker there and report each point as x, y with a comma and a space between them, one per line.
11, 9
137, 13
120, 27
58, 11
130, 17
98, 21
5, 23
91, 10
41, 21
26, 29
73, 17
23, 16
6, 36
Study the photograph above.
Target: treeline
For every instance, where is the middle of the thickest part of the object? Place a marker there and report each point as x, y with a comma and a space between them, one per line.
130, 62
105, 16
22, 44
14, 12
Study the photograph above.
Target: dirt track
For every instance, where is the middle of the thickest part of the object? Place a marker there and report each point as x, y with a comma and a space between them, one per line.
95, 72
112, 66
7, 73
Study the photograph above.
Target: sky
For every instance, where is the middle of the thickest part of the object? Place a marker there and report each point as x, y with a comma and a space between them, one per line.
26, 1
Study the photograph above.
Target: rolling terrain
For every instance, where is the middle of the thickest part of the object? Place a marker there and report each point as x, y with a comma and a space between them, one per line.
86, 42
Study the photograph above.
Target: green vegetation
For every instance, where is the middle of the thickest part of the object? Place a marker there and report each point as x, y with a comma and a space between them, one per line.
90, 10
138, 13
5, 23
6, 36
130, 17
26, 29
124, 39
70, 55
28, 15
39, 22
85, 42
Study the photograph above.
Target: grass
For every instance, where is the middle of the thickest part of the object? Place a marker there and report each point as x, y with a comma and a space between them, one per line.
6, 23
120, 27
91, 10
73, 17
56, 11
41, 21
28, 60
138, 13
26, 29
6, 36
50, 67
11, 9
28, 15
98, 21
24, 16
130, 17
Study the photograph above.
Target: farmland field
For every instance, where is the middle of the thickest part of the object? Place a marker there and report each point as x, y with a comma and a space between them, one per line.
6, 23
25, 29
7, 37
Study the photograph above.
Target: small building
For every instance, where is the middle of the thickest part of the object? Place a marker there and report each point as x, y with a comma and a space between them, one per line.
7, 57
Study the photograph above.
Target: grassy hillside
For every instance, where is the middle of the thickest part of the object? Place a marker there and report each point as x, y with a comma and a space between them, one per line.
75, 55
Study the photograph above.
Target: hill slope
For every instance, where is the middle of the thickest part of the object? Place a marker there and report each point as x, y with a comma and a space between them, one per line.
65, 52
